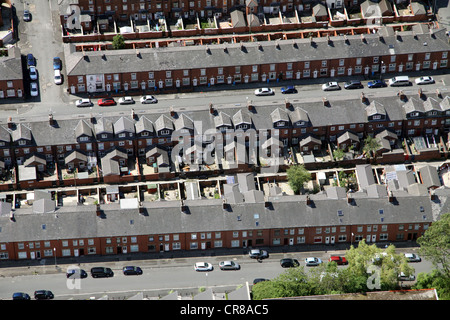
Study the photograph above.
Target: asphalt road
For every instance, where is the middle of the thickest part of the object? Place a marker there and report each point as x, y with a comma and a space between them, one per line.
160, 276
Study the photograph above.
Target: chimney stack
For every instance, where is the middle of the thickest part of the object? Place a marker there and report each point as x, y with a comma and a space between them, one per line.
10, 123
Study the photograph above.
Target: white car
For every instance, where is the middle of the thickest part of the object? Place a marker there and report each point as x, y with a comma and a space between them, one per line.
83, 103
149, 99
203, 266
33, 73
424, 80
264, 92
312, 261
34, 89
329, 86
412, 257
58, 79
126, 100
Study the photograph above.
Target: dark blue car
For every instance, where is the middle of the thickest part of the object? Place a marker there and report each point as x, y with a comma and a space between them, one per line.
376, 84
131, 270
56, 63
290, 89
30, 60
20, 296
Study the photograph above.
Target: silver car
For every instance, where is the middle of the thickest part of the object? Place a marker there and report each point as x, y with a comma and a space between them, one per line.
412, 257
312, 261
126, 100
148, 99
264, 92
229, 265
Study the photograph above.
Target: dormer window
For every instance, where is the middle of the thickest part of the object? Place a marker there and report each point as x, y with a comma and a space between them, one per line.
22, 142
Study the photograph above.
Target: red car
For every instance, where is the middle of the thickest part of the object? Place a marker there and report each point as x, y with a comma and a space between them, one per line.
339, 260
106, 102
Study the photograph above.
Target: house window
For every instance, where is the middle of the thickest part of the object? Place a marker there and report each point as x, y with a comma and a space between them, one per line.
307, 65
168, 74
324, 63
151, 75
341, 62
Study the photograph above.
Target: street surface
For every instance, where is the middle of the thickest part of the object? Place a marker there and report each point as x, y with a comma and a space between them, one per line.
160, 276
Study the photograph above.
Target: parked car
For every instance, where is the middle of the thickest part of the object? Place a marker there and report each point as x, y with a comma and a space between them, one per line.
101, 272
330, 86
312, 261
289, 89
412, 257
20, 296
424, 80
148, 99
83, 103
289, 263
58, 78
264, 92
257, 280
399, 81
56, 63
31, 61
353, 84
76, 273
258, 254
403, 277
126, 100
131, 270
43, 295
106, 102
34, 91
26, 15
203, 266
229, 265
376, 84
339, 260
33, 73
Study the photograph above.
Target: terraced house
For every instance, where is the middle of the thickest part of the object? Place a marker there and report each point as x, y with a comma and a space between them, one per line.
177, 68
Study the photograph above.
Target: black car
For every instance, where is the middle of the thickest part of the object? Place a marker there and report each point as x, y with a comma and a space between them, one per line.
101, 272
258, 254
20, 296
76, 273
43, 295
289, 263
289, 89
130, 270
353, 84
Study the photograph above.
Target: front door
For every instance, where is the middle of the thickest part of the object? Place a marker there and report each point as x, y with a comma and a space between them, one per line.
368, 238
333, 239
166, 247
327, 240
291, 241
374, 237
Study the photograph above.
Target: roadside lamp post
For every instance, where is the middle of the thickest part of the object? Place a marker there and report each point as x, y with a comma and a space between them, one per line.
54, 253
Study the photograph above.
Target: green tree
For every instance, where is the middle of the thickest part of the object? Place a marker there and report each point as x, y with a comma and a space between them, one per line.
434, 280
291, 283
118, 42
435, 244
371, 145
297, 176
338, 154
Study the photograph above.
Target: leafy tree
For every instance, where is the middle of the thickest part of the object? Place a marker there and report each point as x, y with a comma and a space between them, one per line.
434, 280
118, 42
292, 283
297, 176
435, 244
338, 154
371, 145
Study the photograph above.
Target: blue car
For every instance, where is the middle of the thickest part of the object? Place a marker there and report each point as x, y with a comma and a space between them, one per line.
376, 84
21, 296
56, 63
290, 89
30, 60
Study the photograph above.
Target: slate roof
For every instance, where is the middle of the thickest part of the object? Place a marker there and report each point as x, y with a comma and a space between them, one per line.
144, 124
103, 126
207, 215
83, 128
196, 57
123, 124
11, 65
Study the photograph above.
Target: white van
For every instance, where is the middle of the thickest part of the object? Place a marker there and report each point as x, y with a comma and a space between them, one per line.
399, 81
